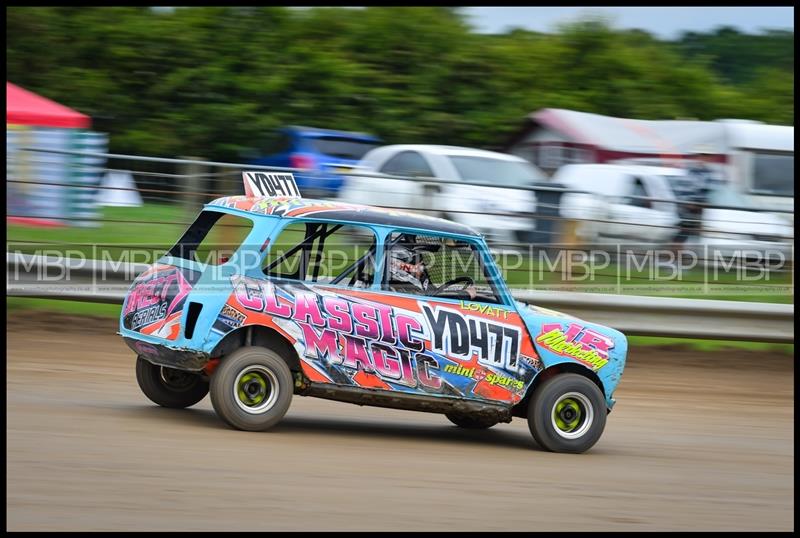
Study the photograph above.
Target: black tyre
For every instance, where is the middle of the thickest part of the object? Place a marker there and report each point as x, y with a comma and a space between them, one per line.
567, 413
252, 388
472, 423
169, 387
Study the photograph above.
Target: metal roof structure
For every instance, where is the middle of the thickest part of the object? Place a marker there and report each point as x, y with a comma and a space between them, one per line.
665, 137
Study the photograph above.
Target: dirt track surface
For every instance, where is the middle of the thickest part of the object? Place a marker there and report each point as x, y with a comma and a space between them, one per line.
696, 441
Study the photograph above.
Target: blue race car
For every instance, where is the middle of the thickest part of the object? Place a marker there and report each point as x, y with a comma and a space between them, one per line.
324, 153
363, 305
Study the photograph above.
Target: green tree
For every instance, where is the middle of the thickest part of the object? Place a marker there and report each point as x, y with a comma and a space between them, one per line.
218, 81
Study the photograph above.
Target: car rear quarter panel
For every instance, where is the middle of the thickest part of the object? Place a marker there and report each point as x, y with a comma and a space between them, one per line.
188, 282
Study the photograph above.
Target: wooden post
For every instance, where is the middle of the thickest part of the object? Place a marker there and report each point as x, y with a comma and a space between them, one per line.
191, 185
569, 238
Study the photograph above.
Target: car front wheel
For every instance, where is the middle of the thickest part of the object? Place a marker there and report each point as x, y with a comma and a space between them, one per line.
567, 413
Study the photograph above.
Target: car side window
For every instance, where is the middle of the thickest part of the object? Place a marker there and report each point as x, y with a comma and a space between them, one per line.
323, 253
407, 163
638, 193
212, 238
436, 267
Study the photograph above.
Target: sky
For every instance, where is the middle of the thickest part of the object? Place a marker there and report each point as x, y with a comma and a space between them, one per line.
665, 22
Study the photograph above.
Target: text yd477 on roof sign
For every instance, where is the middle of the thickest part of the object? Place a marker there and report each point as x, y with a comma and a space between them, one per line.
270, 184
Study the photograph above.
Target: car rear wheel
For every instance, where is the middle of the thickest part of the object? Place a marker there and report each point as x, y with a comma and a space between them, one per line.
472, 423
252, 388
170, 387
567, 413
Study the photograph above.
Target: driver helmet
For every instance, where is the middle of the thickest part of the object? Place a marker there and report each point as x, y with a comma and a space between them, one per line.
405, 269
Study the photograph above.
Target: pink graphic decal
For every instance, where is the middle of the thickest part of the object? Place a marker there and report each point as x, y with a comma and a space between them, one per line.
322, 344
407, 344
407, 368
385, 321
406, 328
339, 318
599, 342
366, 318
577, 342
248, 293
183, 290
306, 307
386, 362
356, 355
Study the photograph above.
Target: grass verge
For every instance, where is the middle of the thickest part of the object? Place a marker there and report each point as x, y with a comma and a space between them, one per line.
21, 306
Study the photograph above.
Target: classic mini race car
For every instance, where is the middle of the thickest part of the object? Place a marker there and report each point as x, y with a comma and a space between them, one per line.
362, 305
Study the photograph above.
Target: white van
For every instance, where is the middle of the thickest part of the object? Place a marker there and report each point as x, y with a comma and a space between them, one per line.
609, 210
760, 162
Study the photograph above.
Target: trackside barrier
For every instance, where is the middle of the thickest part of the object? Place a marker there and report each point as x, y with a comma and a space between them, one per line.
107, 282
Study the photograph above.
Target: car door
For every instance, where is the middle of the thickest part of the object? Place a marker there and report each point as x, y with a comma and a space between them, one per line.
408, 194
633, 215
502, 212
354, 327
458, 339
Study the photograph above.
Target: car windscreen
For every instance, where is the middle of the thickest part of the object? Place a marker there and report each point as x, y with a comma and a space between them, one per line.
683, 187
691, 188
343, 148
726, 196
496, 171
714, 193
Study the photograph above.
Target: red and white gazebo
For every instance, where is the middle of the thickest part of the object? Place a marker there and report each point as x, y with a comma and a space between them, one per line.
43, 189
27, 108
